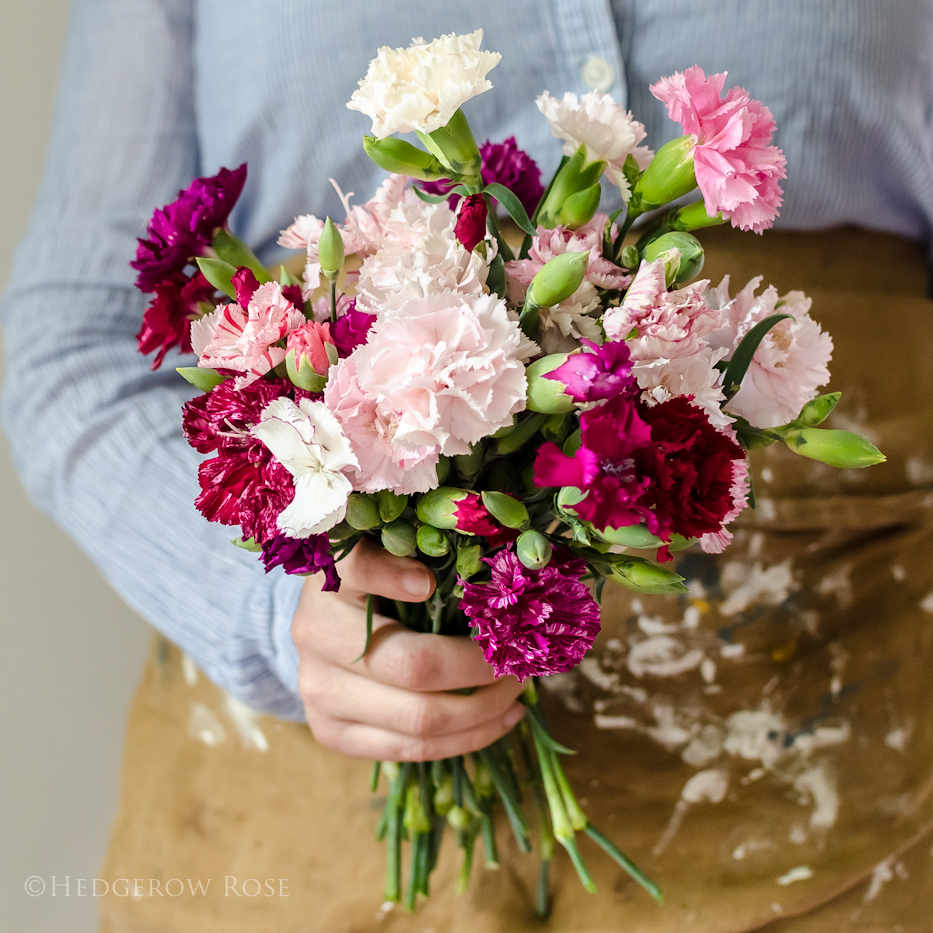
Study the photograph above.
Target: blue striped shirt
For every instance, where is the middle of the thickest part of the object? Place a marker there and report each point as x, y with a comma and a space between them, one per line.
154, 92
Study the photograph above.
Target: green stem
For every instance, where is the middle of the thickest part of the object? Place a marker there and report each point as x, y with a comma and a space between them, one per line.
621, 859
542, 902
333, 301
374, 776
466, 868
512, 806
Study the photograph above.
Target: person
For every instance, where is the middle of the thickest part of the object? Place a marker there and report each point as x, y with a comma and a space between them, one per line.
792, 681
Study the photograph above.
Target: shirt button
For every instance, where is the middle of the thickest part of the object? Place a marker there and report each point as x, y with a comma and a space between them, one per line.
597, 73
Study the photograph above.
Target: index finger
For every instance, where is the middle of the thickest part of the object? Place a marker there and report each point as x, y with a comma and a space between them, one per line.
370, 568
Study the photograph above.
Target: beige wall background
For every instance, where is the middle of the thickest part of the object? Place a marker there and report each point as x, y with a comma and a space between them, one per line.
71, 651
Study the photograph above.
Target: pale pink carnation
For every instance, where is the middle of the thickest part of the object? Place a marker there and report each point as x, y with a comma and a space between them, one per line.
450, 365
371, 430
737, 169
244, 340
308, 342
605, 127
321, 307
696, 376
717, 541
667, 324
790, 364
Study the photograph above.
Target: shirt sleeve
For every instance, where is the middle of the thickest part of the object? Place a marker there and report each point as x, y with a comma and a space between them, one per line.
95, 434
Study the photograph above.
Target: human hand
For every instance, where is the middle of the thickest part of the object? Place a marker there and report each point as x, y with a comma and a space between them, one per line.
393, 704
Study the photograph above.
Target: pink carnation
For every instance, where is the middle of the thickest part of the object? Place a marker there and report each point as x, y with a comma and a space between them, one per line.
789, 365
245, 340
737, 169
371, 430
450, 365
308, 343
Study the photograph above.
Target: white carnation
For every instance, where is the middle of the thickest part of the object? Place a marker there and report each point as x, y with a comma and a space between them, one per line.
609, 131
423, 86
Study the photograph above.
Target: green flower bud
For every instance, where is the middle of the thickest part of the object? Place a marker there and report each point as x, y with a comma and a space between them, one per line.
432, 541
482, 776
362, 513
694, 217
470, 464
415, 818
504, 509
303, 374
580, 208
402, 158
636, 536
669, 176
444, 795
455, 146
390, 505
630, 258
578, 174
330, 251
644, 576
817, 410
458, 817
341, 532
399, 538
533, 550
439, 506
568, 497
524, 431
837, 448
557, 280
689, 252
468, 560
547, 395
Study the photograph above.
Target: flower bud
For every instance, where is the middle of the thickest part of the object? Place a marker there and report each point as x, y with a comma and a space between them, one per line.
568, 497
416, 817
577, 175
330, 251
669, 176
644, 576
362, 513
402, 158
458, 817
547, 395
302, 374
468, 560
636, 536
439, 506
432, 541
694, 217
455, 146
557, 280
580, 208
630, 258
444, 795
505, 509
817, 410
399, 538
470, 229
390, 505
690, 257
837, 448
533, 550
469, 465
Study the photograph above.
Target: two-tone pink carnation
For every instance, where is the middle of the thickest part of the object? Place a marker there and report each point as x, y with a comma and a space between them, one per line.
246, 340
531, 623
790, 364
451, 366
737, 168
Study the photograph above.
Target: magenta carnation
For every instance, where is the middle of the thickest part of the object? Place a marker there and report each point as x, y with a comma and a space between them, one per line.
737, 169
599, 372
663, 465
532, 623
302, 555
351, 329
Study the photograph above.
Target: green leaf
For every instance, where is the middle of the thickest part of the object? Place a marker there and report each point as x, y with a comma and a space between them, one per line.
429, 198
219, 274
742, 358
233, 250
286, 278
511, 203
495, 278
623, 861
200, 377
369, 628
248, 544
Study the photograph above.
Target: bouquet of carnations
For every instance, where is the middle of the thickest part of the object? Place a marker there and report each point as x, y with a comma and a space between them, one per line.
519, 415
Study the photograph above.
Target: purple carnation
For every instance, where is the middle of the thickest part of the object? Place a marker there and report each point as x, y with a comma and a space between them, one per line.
351, 329
180, 231
302, 555
532, 622
506, 164
603, 372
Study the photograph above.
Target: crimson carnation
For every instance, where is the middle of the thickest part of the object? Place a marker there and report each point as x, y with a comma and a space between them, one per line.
532, 623
167, 320
302, 555
470, 228
664, 465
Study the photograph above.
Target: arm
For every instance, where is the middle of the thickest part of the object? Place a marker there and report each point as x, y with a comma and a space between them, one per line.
95, 434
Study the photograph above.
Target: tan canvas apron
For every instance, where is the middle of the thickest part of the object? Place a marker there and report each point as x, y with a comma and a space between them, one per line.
782, 779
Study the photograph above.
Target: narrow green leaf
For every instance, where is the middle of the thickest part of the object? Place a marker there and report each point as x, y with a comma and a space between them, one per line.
219, 274
742, 358
200, 377
369, 627
511, 203
623, 861
286, 278
429, 198
231, 249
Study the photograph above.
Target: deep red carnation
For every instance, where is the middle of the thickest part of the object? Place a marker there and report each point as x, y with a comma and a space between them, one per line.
532, 622
167, 320
473, 517
470, 228
302, 555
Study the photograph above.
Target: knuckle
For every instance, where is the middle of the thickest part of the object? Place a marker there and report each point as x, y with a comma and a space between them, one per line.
421, 718
327, 732
417, 667
414, 749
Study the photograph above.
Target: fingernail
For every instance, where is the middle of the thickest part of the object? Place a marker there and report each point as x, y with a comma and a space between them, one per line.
416, 583
513, 716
